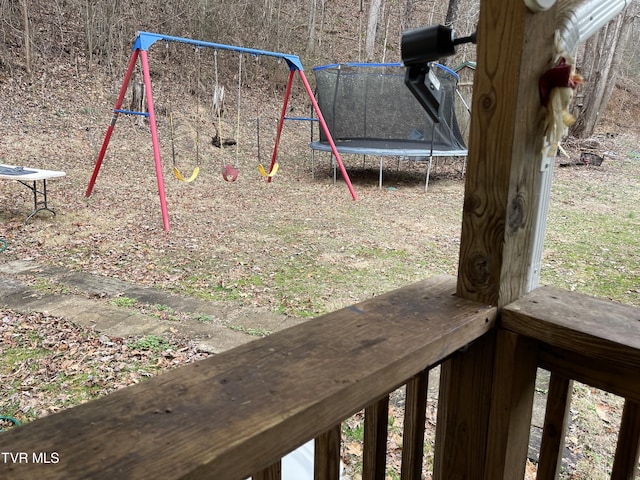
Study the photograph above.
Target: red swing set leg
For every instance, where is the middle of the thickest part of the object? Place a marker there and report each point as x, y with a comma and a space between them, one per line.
152, 125
323, 125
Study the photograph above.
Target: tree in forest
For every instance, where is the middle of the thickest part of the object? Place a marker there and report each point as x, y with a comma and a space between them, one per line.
27, 35
599, 67
407, 21
370, 41
452, 13
312, 26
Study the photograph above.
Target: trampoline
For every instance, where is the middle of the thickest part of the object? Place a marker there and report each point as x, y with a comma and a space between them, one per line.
370, 111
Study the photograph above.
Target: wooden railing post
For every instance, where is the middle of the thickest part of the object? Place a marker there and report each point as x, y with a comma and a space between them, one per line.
273, 472
514, 48
463, 412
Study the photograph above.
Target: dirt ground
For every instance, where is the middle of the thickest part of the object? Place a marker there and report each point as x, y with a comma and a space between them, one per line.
250, 236
298, 245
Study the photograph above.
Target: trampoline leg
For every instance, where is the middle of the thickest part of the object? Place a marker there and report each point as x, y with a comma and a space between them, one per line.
426, 182
335, 173
380, 180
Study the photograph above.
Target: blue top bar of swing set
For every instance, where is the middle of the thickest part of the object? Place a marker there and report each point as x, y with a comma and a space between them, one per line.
144, 40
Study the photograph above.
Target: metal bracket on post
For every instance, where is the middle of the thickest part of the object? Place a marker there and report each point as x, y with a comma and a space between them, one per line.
543, 194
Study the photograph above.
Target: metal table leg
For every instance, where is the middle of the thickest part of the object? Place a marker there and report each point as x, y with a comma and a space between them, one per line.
38, 204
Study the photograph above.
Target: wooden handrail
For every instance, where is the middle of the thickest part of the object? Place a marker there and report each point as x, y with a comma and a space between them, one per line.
239, 412
578, 323
576, 337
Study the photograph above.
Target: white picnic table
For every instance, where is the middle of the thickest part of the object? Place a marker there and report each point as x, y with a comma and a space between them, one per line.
29, 177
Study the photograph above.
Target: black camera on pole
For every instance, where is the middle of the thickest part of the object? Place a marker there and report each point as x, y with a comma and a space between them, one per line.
419, 48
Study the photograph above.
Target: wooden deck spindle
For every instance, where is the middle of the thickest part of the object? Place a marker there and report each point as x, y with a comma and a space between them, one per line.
555, 426
625, 464
414, 422
327, 455
513, 389
376, 420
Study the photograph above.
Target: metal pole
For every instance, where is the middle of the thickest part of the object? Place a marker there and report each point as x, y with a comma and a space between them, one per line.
154, 139
107, 137
323, 124
281, 123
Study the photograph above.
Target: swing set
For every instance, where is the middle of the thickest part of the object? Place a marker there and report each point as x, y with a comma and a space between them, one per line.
142, 43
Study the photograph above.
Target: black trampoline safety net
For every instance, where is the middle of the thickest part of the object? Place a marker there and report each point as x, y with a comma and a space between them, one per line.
370, 111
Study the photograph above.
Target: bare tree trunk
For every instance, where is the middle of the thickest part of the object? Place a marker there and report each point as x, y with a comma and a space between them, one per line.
452, 13
408, 15
137, 100
618, 54
27, 35
312, 26
370, 41
605, 52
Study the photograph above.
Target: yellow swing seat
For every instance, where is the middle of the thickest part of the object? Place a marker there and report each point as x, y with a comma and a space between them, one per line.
179, 176
264, 173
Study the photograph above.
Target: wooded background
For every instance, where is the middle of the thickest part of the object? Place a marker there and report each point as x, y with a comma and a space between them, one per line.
90, 34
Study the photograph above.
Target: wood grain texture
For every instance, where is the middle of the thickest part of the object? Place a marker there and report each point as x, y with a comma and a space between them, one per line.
414, 425
556, 418
625, 464
273, 472
608, 376
505, 150
602, 330
326, 464
514, 47
463, 412
374, 458
593, 341
513, 387
238, 412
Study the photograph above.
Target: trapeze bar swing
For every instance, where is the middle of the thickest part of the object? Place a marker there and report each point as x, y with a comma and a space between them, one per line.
142, 43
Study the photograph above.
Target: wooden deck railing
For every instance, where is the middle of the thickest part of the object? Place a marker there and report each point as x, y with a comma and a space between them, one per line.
575, 337
237, 414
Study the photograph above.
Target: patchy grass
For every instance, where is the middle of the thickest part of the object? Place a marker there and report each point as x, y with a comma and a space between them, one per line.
124, 302
48, 364
256, 332
593, 239
592, 433
150, 342
47, 286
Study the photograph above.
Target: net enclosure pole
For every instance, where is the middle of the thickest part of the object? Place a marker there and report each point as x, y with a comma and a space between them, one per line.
325, 128
114, 118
